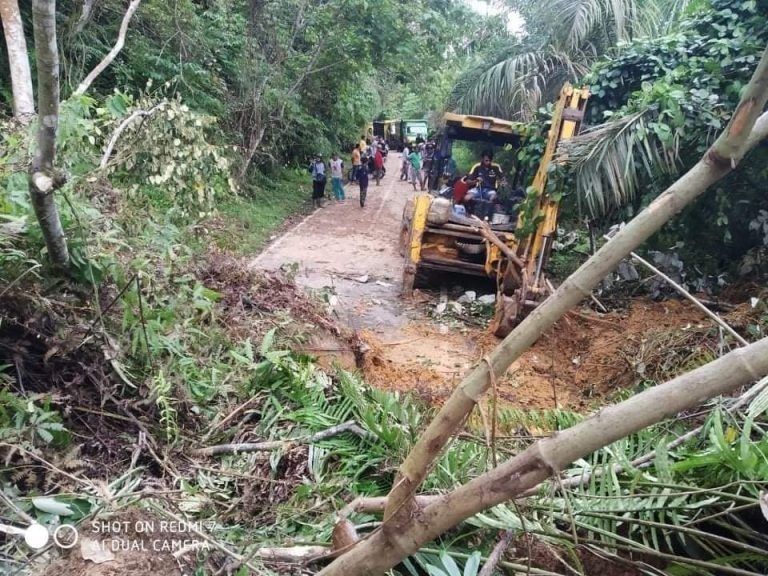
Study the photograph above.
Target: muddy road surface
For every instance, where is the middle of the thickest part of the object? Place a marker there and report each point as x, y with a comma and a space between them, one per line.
350, 255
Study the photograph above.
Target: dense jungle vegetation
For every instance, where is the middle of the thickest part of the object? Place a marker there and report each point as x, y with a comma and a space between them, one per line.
156, 339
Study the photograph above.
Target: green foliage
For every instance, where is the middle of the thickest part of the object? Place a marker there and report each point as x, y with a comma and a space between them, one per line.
163, 394
29, 420
172, 150
516, 76
662, 102
689, 502
443, 564
245, 223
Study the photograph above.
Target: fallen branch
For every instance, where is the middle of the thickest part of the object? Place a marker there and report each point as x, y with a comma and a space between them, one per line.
683, 292
277, 444
376, 505
485, 231
497, 553
120, 129
386, 547
292, 555
107, 60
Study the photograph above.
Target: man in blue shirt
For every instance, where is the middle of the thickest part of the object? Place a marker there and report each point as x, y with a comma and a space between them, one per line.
485, 176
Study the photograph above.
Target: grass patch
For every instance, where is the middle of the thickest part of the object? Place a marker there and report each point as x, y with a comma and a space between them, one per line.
245, 223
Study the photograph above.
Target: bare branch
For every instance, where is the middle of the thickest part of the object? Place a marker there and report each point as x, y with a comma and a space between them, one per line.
101, 66
85, 15
277, 444
688, 296
121, 128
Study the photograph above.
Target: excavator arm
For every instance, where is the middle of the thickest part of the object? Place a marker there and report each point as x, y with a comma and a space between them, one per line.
522, 289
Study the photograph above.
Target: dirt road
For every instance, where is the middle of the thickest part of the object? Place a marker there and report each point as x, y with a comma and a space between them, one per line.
351, 253
351, 250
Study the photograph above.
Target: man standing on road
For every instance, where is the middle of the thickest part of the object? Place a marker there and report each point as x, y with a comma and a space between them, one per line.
356, 151
337, 173
378, 165
317, 169
415, 167
404, 163
426, 165
362, 179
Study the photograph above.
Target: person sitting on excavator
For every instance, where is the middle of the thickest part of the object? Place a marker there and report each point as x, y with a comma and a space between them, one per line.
484, 176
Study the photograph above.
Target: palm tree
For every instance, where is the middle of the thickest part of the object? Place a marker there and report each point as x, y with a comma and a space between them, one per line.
563, 38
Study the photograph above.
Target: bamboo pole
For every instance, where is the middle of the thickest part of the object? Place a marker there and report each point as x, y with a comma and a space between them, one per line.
385, 548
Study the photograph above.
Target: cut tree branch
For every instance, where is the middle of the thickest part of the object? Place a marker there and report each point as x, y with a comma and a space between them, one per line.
277, 444
386, 547
497, 553
121, 128
112, 54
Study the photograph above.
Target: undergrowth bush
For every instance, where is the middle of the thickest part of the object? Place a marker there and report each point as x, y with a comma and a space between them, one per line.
172, 149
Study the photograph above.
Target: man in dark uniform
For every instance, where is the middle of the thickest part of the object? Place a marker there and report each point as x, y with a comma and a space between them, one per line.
484, 176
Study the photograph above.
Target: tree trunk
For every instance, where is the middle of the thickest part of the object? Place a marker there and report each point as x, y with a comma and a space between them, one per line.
391, 544
406, 525
43, 179
18, 60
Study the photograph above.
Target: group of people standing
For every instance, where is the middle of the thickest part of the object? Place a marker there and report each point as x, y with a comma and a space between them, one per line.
419, 162
367, 158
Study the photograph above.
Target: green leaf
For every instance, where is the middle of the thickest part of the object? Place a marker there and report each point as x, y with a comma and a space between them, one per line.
269, 339
52, 506
473, 564
450, 564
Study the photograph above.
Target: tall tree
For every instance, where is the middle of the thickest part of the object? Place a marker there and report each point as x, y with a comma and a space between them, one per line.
44, 180
563, 38
21, 78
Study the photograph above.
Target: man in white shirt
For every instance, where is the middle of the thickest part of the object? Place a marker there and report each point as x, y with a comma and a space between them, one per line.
337, 173
404, 163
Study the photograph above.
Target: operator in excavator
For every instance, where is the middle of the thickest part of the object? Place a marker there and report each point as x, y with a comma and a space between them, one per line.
483, 179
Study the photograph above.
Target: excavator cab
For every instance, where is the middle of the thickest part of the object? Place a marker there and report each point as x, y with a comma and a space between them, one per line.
515, 253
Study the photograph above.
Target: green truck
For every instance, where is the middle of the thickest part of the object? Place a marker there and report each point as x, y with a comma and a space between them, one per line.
397, 133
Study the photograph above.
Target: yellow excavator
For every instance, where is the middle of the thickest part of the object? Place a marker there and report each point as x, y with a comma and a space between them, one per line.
512, 250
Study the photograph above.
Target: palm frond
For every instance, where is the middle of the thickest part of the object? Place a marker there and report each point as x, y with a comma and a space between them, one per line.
515, 87
609, 160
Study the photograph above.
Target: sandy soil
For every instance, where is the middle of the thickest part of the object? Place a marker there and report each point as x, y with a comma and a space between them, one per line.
353, 251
